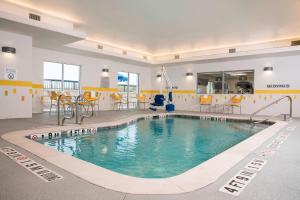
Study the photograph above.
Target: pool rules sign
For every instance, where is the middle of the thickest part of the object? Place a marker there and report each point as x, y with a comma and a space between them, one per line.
10, 73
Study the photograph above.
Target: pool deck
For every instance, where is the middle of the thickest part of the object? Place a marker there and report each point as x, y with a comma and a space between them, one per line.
278, 179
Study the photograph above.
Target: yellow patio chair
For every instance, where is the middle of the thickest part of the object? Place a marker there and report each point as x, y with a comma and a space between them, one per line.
88, 100
141, 99
205, 100
117, 100
235, 102
97, 100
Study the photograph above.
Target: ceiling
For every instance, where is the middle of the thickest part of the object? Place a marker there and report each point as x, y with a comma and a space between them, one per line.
171, 26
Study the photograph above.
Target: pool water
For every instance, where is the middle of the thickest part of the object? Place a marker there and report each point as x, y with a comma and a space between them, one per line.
155, 148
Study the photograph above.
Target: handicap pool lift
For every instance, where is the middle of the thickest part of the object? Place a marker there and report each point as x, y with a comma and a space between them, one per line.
160, 98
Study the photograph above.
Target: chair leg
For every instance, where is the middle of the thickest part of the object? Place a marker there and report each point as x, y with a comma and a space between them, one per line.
50, 109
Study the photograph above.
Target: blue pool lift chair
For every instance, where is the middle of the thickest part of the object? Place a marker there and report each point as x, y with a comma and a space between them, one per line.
160, 98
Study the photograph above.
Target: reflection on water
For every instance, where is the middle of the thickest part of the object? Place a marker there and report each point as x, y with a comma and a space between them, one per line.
155, 148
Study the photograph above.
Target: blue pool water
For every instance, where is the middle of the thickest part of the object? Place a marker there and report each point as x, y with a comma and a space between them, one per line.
155, 148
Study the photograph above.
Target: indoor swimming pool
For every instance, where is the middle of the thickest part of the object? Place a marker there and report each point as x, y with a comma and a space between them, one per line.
157, 147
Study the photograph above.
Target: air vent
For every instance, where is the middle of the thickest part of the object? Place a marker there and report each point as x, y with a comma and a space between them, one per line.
295, 43
124, 52
34, 17
176, 57
233, 50
100, 46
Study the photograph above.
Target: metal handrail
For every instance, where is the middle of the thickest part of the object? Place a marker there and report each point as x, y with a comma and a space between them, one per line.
274, 102
76, 108
68, 117
58, 112
87, 116
77, 111
58, 108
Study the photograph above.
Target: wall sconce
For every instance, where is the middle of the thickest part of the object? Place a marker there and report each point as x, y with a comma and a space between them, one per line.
105, 70
158, 76
189, 74
9, 50
268, 69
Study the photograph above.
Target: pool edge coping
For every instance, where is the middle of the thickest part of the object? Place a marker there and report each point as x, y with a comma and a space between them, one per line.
193, 179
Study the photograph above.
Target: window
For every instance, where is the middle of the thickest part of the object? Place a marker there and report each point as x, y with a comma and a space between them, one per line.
53, 76
61, 77
228, 82
71, 77
128, 85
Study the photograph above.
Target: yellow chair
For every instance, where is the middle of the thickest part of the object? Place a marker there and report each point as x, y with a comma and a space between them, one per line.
117, 100
141, 99
88, 100
205, 100
67, 93
96, 102
235, 102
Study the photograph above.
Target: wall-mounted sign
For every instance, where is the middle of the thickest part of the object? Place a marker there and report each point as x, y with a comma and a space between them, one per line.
10, 74
278, 86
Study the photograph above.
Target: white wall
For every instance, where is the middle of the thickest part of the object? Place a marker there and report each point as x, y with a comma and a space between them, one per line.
29, 63
12, 106
91, 71
286, 71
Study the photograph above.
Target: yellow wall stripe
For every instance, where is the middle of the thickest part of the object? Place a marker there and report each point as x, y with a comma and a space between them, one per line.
20, 84
37, 86
16, 83
277, 91
100, 89
165, 91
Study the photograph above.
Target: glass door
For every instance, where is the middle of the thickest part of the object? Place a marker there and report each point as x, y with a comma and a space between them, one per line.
128, 85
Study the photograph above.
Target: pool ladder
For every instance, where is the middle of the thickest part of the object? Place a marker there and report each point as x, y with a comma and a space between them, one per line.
271, 104
75, 112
